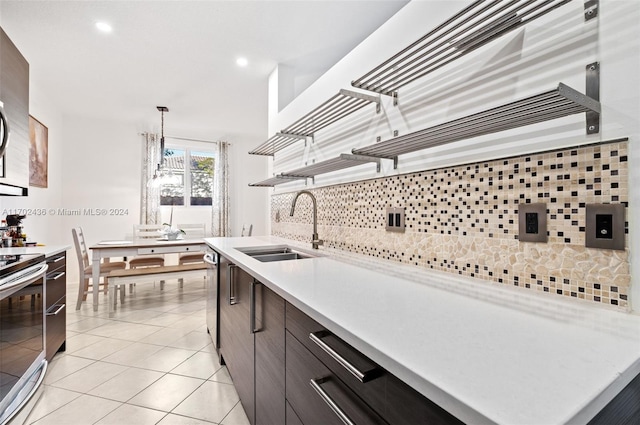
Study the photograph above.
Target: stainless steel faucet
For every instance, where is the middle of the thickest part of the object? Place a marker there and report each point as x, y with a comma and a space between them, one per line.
315, 242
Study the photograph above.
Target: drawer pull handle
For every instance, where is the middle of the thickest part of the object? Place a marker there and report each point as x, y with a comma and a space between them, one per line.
232, 299
57, 259
357, 373
315, 384
58, 310
252, 307
56, 276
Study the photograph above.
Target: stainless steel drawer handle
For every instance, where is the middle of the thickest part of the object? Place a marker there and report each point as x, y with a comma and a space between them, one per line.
56, 276
252, 307
56, 260
230, 286
357, 373
315, 384
58, 310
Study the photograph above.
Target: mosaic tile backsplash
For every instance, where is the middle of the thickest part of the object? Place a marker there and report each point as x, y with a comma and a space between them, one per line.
464, 220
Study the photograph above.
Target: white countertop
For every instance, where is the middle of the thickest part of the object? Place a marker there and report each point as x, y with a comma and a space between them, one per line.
47, 250
484, 352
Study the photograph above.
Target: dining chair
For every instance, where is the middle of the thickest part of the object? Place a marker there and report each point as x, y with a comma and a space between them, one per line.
85, 267
191, 231
146, 231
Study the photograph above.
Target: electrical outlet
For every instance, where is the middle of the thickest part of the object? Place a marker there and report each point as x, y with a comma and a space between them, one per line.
604, 226
394, 219
532, 222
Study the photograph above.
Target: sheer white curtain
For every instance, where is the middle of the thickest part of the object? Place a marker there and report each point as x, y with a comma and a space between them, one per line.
150, 202
220, 225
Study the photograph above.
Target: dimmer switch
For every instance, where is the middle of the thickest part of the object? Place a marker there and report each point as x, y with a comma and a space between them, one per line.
532, 222
605, 226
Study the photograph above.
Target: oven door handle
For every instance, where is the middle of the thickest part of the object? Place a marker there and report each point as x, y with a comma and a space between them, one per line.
25, 280
5, 134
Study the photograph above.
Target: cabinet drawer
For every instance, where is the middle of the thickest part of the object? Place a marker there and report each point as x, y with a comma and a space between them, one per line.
361, 374
57, 263
317, 395
170, 250
56, 286
391, 398
56, 321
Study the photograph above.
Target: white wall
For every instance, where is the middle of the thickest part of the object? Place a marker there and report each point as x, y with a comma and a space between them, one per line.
528, 61
102, 167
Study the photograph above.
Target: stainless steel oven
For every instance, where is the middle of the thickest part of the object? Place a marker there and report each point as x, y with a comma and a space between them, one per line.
22, 330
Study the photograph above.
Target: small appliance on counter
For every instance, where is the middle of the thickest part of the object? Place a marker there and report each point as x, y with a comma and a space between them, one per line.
12, 231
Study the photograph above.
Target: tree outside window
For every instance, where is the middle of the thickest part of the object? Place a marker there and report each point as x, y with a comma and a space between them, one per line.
191, 185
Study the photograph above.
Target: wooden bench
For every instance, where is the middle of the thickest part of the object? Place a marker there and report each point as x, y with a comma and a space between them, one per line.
120, 278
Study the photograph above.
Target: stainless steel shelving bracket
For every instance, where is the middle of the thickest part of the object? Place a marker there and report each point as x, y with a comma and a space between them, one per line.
591, 9
592, 90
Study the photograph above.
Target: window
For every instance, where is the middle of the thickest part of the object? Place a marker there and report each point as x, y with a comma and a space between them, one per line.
190, 185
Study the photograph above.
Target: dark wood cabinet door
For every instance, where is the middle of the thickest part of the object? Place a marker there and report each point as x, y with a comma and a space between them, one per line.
236, 336
270, 352
292, 416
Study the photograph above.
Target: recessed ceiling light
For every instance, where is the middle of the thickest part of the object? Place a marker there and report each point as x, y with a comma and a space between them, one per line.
103, 26
242, 62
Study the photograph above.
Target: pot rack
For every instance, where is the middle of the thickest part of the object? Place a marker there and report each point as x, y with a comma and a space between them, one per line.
337, 107
341, 162
474, 26
559, 102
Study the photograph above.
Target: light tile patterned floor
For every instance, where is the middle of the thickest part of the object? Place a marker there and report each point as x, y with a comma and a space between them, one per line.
152, 363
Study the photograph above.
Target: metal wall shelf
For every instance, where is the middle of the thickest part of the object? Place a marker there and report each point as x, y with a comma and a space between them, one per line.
557, 103
471, 28
345, 160
274, 181
337, 107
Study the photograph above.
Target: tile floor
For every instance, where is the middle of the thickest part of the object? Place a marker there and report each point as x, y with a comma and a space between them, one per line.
152, 363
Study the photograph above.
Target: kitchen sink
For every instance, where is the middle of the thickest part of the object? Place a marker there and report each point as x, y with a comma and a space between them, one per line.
275, 253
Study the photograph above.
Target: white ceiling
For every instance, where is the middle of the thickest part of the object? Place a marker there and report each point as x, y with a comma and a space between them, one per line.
181, 54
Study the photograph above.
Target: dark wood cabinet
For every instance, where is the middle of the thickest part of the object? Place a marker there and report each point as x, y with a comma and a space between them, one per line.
252, 343
270, 357
318, 396
56, 303
383, 392
290, 369
14, 94
292, 417
236, 336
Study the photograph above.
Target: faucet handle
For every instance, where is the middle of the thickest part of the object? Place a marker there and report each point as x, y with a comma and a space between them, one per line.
315, 241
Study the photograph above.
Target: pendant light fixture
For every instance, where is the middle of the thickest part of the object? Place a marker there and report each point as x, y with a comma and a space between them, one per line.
158, 174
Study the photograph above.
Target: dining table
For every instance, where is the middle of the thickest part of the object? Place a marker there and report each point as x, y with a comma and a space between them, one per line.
106, 249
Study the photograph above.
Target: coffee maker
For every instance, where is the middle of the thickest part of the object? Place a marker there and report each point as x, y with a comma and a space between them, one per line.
14, 223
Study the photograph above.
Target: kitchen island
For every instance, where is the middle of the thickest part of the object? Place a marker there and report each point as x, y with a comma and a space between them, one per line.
46, 250
485, 353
